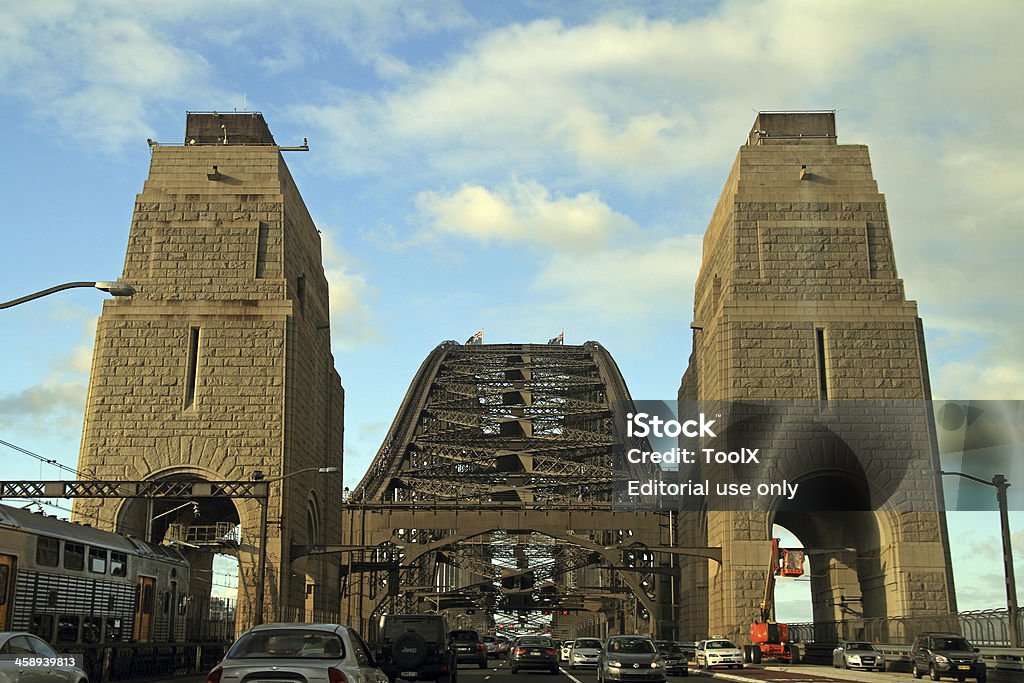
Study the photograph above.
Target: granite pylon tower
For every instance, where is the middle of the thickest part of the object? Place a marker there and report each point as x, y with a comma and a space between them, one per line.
799, 310
220, 367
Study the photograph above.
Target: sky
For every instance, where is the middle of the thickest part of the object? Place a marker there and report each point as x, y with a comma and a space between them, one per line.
520, 167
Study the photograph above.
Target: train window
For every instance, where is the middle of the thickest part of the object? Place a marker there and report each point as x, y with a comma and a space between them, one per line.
42, 626
118, 563
147, 599
67, 628
74, 555
115, 631
91, 630
98, 560
5, 577
182, 604
167, 602
47, 551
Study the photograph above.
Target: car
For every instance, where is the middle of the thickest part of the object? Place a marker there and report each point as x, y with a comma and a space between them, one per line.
468, 647
858, 655
630, 658
584, 652
534, 652
502, 646
43, 660
415, 647
675, 658
946, 654
718, 652
689, 648
321, 652
491, 646
563, 652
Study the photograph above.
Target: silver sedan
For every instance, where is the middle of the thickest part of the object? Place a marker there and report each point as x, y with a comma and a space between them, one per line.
858, 655
25, 657
317, 653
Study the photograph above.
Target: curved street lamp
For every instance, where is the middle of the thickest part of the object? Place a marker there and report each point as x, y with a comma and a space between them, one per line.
261, 569
117, 288
1000, 484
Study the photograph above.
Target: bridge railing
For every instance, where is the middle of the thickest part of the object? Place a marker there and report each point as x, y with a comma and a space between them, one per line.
988, 630
983, 628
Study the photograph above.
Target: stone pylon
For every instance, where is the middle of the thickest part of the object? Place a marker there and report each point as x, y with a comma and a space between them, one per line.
799, 309
220, 366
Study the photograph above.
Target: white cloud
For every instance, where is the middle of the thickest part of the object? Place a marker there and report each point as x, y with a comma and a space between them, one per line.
627, 283
524, 211
352, 320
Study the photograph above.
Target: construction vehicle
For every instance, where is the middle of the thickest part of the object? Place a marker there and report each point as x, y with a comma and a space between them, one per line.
770, 639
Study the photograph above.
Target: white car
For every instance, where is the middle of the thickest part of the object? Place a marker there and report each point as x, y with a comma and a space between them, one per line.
718, 652
584, 652
563, 652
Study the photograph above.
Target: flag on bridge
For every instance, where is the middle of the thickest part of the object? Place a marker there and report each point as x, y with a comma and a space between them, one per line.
476, 340
559, 340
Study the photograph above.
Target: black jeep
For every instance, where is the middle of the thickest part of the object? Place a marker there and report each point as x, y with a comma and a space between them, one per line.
415, 647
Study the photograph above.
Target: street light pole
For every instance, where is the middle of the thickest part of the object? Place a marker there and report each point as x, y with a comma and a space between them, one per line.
1000, 484
112, 288
261, 567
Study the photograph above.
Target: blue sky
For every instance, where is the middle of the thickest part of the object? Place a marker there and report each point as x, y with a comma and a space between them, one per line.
518, 167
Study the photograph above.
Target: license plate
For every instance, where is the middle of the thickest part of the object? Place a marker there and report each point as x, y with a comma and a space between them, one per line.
964, 668
409, 674
534, 653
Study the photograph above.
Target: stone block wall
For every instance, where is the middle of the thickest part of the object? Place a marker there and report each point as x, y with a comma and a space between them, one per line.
220, 365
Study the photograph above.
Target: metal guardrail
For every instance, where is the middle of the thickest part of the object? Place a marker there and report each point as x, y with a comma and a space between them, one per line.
999, 658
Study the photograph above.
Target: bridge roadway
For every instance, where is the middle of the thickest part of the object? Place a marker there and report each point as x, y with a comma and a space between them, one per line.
803, 673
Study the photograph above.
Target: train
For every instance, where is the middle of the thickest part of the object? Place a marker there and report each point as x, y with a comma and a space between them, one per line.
71, 584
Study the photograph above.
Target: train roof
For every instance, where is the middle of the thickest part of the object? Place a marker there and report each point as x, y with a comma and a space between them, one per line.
39, 523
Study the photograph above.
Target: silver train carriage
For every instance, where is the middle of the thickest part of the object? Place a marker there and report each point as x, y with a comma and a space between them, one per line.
69, 583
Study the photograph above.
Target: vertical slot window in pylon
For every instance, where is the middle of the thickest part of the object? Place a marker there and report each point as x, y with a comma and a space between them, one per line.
192, 370
821, 344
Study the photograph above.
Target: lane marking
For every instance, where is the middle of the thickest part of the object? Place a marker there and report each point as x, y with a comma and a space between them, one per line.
571, 677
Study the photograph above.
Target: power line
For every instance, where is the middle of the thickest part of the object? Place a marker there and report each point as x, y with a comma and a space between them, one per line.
43, 459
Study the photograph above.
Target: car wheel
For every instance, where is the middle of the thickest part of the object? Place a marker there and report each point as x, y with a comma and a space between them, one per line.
917, 674
553, 670
686, 672
933, 673
981, 679
483, 664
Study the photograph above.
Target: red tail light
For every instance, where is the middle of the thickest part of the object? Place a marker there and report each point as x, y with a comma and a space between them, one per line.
549, 652
479, 646
214, 676
520, 650
336, 675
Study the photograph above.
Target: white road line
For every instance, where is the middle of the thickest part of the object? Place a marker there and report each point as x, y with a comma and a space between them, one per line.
571, 677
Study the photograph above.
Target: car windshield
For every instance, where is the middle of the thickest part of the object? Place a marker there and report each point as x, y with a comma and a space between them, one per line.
950, 644
588, 642
860, 646
631, 645
719, 645
288, 643
528, 642
465, 635
669, 648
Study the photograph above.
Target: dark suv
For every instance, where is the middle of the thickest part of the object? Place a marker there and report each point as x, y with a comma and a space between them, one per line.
946, 654
469, 647
415, 647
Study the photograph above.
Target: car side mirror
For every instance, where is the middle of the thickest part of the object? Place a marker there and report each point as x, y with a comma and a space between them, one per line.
977, 649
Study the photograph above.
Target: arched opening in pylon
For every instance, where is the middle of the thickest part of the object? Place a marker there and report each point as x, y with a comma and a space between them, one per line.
208, 533
832, 518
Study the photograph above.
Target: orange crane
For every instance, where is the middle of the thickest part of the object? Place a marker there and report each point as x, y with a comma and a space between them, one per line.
770, 639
